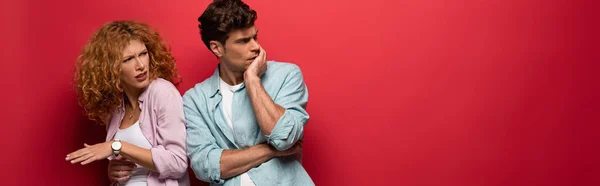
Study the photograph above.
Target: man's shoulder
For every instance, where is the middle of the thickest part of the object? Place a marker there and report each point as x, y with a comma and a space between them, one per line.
199, 90
281, 68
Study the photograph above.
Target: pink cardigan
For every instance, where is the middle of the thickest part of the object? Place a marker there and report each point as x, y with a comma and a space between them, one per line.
163, 124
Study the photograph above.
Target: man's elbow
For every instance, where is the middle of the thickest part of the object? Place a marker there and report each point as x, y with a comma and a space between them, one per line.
285, 139
281, 145
200, 173
206, 167
226, 174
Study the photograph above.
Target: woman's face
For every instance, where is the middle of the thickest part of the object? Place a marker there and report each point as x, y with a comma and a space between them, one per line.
135, 66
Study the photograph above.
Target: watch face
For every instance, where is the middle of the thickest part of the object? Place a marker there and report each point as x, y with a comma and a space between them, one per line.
116, 145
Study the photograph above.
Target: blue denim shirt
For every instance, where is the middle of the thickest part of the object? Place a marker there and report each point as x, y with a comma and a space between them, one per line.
208, 133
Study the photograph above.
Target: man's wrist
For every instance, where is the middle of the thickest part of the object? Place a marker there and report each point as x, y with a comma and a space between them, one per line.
268, 151
250, 79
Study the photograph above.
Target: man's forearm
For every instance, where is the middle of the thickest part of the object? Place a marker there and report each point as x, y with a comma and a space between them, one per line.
266, 111
237, 161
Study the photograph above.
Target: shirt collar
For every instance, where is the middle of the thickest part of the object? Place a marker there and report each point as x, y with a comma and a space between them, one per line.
213, 83
141, 99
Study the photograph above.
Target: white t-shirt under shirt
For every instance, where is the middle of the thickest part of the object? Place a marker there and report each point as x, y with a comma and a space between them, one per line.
133, 134
226, 103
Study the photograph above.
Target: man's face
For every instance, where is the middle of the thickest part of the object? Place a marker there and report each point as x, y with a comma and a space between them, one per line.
240, 49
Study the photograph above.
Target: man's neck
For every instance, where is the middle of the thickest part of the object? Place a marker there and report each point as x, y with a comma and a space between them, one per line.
230, 77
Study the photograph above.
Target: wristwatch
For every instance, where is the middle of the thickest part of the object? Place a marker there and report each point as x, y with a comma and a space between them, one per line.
116, 147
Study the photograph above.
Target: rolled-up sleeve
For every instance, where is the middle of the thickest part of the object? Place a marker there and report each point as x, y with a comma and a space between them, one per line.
204, 153
169, 155
293, 96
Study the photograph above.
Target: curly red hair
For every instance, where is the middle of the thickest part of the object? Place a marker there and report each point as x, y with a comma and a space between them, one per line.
97, 70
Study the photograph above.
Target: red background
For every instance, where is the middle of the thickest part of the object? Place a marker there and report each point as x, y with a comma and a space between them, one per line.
413, 92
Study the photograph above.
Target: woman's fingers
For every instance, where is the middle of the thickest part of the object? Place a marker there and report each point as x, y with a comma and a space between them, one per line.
90, 159
75, 155
80, 158
119, 174
122, 167
122, 179
79, 153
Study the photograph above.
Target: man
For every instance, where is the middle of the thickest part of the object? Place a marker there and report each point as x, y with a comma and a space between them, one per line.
245, 123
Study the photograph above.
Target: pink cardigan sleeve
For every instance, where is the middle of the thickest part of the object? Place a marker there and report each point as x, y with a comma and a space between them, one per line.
169, 155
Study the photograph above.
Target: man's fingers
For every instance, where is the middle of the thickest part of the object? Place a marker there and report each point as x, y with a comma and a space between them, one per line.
299, 142
298, 149
260, 50
295, 149
263, 52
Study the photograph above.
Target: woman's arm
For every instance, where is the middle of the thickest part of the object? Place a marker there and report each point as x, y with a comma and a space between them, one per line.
169, 157
138, 155
103, 150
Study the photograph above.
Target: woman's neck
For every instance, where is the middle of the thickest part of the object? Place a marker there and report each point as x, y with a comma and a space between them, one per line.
132, 96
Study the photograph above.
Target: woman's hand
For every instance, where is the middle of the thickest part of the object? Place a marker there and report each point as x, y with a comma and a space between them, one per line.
91, 153
120, 169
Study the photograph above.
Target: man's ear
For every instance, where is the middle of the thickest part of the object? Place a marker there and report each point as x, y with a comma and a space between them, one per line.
217, 48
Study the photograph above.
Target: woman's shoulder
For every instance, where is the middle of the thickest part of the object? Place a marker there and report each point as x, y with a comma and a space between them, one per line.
161, 88
160, 83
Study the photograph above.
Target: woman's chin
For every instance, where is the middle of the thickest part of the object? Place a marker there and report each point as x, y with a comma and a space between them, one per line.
139, 85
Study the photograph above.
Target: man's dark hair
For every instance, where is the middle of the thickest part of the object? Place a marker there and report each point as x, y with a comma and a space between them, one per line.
222, 16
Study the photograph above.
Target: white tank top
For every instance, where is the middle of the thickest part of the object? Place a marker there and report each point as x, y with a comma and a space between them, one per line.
133, 134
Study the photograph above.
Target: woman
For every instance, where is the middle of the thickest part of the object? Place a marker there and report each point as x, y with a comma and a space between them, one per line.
125, 79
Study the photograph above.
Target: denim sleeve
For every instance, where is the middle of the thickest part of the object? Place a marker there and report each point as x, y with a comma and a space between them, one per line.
293, 96
202, 149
